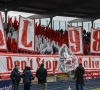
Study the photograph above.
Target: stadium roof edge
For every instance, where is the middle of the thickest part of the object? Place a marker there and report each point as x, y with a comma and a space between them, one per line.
81, 20
51, 8
37, 16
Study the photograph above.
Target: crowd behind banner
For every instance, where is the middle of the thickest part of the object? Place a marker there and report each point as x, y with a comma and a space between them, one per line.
48, 41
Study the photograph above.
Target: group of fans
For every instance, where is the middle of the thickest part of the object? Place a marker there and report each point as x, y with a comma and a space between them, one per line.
48, 41
41, 74
27, 77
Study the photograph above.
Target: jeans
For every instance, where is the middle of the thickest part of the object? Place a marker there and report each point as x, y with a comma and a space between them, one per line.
27, 86
80, 86
76, 86
40, 85
15, 85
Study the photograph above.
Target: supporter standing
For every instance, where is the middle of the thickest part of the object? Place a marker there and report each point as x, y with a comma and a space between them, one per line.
41, 74
79, 77
15, 76
27, 76
23, 72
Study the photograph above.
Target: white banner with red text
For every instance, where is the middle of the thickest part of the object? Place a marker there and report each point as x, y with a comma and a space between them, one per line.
26, 34
95, 40
3, 46
75, 36
8, 61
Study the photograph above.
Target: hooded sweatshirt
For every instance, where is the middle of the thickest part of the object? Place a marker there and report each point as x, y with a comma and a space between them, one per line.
28, 76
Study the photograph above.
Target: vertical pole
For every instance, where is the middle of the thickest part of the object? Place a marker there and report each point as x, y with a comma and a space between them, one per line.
92, 24
82, 25
88, 27
59, 25
40, 21
65, 26
5, 19
5, 28
77, 24
46, 22
51, 22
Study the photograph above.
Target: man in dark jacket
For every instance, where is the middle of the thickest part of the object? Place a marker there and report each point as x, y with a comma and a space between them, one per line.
79, 77
15, 76
41, 74
27, 76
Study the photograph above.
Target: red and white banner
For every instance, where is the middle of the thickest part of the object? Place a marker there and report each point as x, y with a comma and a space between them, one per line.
95, 40
3, 45
75, 37
26, 34
91, 65
8, 61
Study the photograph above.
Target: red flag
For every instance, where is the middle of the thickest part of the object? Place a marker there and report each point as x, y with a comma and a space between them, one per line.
9, 20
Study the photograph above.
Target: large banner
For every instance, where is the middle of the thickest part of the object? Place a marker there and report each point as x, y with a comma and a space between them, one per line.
75, 39
3, 46
26, 34
8, 61
95, 41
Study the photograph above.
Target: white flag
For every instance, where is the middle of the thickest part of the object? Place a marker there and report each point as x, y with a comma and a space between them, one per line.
3, 45
67, 60
26, 34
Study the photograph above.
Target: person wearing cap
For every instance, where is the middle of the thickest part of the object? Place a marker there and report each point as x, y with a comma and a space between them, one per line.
41, 74
79, 77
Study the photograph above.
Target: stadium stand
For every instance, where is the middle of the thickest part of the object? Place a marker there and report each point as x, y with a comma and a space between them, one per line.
48, 41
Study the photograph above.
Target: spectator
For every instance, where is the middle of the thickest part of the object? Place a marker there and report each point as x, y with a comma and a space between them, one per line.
55, 50
27, 76
41, 74
79, 77
84, 32
24, 71
15, 76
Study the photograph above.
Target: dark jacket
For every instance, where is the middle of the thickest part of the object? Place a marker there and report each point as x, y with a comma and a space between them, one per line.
79, 75
15, 75
23, 72
41, 74
27, 76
